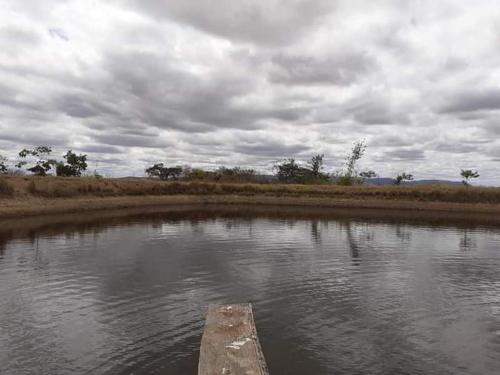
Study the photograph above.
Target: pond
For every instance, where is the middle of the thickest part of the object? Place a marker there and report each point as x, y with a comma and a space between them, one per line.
332, 294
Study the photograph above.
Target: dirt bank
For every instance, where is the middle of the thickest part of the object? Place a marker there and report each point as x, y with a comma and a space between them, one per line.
33, 206
32, 196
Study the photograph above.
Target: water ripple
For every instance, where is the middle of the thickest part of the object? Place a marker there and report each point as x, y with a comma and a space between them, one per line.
343, 297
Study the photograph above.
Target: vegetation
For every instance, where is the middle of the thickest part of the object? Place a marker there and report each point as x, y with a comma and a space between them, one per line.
3, 165
290, 172
164, 173
350, 175
357, 152
316, 165
187, 173
39, 163
56, 187
5, 188
467, 174
74, 166
402, 177
236, 174
38, 158
368, 174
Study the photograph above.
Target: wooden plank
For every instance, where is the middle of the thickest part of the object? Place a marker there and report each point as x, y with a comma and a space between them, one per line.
230, 345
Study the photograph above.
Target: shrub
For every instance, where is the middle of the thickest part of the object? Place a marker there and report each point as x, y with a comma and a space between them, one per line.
31, 187
5, 188
344, 181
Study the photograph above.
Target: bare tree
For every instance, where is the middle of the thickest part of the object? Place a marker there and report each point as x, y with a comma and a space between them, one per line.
357, 152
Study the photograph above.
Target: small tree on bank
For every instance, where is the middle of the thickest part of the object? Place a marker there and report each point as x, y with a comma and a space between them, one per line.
368, 174
164, 173
403, 177
350, 175
39, 160
357, 152
468, 174
235, 174
3, 164
74, 166
289, 171
316, 165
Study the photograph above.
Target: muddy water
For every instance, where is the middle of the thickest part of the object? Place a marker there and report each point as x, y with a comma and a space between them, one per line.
332, 295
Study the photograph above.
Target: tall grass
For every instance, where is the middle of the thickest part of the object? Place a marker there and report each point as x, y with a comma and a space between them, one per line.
5, 188
54, 187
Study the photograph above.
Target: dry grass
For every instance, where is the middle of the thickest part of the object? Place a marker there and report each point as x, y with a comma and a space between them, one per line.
54, 187
5, 188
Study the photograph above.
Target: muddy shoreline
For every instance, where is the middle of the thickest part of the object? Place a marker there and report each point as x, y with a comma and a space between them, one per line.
34, 207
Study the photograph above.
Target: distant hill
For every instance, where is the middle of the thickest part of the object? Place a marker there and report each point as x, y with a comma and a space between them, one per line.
389, 181
379, 181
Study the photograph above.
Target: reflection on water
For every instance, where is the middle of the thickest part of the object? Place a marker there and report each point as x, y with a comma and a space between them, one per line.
331, 295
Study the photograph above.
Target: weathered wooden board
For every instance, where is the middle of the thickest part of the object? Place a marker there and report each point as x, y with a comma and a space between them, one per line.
229, 345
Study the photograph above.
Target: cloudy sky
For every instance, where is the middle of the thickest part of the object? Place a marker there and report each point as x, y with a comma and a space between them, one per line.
247, 82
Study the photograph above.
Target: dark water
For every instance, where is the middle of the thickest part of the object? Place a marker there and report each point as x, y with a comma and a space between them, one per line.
331, 295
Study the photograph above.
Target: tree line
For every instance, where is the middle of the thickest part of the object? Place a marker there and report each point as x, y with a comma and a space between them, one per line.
38, 161
290, 171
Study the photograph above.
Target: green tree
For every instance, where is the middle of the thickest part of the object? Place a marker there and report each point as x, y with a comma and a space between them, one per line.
39, 160
467, 174
287, 171
368, 174
3, 164
73, 166
316, 165
163, 173
236, 174
402, 177
156, 171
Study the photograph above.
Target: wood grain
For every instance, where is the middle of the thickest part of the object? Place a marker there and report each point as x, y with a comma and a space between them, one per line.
230, 345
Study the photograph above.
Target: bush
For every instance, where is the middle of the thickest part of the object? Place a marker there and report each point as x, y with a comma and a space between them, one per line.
32, 187
5, 188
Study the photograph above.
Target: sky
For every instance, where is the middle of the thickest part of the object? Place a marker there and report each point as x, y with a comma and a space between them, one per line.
249, 82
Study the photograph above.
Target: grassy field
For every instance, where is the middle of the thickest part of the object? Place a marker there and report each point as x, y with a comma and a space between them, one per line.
54, 187
24, 196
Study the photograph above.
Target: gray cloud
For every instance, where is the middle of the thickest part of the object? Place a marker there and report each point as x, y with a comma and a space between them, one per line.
271, 149
372, 109
406, 154
18, 36
81, 106
26, 137
337, 70
131, 140
100, 149
471, 101
268, 22
457, 147
392, 141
